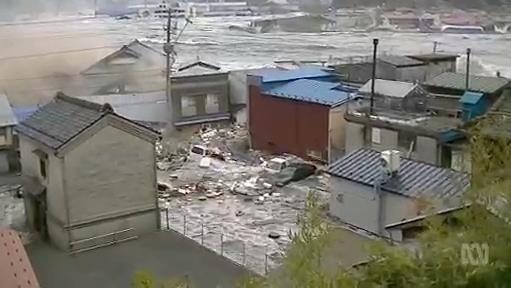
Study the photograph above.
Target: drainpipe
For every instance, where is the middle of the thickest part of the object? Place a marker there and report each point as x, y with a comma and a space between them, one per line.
467, 79
375, 50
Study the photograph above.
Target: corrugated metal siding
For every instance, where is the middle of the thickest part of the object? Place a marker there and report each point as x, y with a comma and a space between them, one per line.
414, 179
287, 126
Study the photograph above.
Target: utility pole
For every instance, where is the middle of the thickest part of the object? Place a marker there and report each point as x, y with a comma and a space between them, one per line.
373, 78
169, 50
467, 79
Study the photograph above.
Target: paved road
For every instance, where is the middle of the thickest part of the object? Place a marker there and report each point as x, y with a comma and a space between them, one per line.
166, 254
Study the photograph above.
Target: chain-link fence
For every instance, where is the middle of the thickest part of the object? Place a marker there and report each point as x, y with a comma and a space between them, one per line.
214, 237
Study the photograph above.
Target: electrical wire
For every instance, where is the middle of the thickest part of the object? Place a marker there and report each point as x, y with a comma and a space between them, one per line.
56, 53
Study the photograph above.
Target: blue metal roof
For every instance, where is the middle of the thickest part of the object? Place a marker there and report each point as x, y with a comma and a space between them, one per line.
321, 92
414, 179
278, 75
471, 97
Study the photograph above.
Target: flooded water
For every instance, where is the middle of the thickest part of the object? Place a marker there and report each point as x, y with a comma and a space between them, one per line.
211, 40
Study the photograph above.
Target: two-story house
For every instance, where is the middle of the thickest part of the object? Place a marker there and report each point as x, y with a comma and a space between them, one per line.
400, 120
199, 95
90, 174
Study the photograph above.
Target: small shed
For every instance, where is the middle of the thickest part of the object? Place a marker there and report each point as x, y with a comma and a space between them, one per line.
473, 104
395, 95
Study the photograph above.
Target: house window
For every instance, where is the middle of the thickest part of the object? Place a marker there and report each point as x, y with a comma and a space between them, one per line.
212, 104
376, 135
188, 106
406, 140
42, 167
3, 138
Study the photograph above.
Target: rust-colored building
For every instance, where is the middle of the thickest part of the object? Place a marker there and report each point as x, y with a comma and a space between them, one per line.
301, 114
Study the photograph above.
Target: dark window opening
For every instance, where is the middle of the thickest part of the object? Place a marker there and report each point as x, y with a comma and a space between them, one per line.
42, 167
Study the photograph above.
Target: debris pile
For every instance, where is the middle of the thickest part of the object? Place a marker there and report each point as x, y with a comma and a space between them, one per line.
223, 144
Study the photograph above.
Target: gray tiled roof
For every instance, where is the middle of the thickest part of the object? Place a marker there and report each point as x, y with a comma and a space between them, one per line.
61, 120
400, 60
457, 81
414, 179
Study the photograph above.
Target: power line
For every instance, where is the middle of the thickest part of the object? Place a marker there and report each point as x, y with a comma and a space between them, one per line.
79, 75
56, 53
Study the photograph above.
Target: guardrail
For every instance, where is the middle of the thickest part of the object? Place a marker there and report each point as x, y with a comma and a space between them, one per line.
96, 241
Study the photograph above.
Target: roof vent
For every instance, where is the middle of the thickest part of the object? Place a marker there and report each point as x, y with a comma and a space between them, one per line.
390, 160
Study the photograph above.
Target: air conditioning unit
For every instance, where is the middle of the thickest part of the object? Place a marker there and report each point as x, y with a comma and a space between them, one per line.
391, 160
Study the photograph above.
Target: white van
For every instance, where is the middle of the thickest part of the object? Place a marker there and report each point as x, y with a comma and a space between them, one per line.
197, 152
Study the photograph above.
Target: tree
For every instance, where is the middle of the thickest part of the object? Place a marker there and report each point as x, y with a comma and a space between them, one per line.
440, 261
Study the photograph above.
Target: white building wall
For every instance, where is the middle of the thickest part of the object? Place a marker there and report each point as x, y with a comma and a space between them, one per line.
337, 132
111, 174
411, 74
238, 88
358, 205
427, 150
354, 136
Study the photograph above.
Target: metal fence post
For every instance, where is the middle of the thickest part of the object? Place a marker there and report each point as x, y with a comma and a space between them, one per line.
222, 244
244, 253
265, 263
202, 234
184, 225
167, 217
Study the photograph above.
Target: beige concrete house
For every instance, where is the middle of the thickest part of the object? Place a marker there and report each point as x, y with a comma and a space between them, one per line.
90, 174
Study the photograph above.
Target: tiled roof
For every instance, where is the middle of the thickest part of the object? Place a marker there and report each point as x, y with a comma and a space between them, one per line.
389, 88
7, 117
414, 179
61, 120
313, 91
277, 75
400, 61
456, 81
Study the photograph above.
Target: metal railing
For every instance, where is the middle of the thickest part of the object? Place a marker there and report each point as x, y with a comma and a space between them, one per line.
211, 236
95, 242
